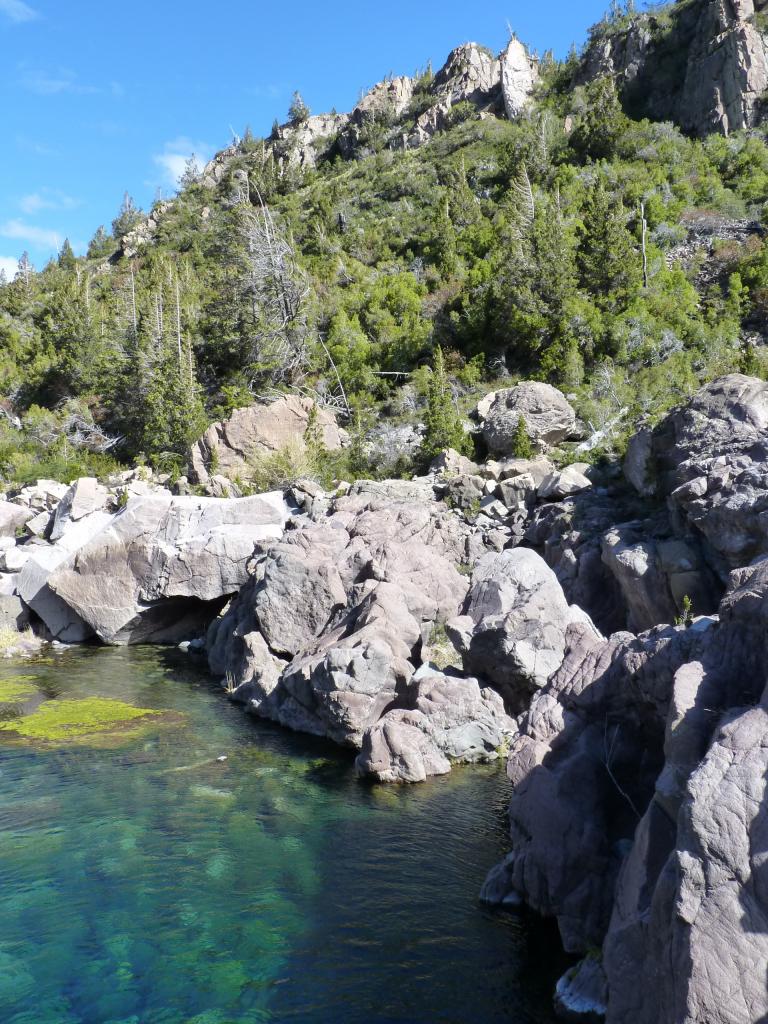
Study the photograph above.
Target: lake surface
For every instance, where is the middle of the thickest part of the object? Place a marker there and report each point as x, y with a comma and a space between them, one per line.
145, 882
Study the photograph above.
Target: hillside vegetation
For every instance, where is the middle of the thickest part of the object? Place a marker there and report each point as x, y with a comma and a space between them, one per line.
556, 247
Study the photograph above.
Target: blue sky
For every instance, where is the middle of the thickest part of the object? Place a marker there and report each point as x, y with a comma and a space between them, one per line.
104, 97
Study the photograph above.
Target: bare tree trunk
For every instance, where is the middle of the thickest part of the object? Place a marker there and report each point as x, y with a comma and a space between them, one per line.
644, 225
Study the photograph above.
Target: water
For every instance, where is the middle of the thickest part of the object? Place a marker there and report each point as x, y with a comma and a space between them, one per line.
145, 882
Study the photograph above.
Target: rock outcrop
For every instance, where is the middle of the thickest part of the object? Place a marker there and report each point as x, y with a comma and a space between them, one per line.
519, 74
256, 430
514, 624
707, 460
153, 571
327, 636
703, 65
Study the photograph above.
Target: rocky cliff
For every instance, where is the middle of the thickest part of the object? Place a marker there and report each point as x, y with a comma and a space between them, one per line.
702, 64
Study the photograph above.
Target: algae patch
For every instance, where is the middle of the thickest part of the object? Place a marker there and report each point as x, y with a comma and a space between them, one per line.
58, 720
16, 691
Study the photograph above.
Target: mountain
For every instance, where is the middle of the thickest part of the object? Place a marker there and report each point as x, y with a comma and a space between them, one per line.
582, 222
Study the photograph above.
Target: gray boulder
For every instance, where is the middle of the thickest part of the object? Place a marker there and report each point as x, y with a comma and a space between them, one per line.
449, 720
548, 416
514, 624
13, 518
152, 572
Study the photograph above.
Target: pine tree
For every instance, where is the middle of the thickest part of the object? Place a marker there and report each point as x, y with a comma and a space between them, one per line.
298, 112
127, 218
444, 427
522, 446
609, 264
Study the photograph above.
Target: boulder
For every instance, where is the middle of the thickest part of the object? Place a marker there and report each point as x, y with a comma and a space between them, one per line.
450, 720
548, 416
565, 483
85, 496
325, 636
14, 614
514, 624
709, 460
155, 570
259, 429
60, 618
13, 517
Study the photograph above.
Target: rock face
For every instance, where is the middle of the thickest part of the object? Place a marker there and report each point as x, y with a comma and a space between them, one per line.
703, 66
514, 624
151, 571
255, 430
519, 75
548, 416
708, 461
327, 635
638, 817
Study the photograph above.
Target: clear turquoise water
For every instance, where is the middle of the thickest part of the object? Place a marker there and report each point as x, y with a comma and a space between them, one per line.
149, 883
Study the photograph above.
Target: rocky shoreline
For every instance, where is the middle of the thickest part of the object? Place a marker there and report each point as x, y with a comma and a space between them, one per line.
602, 628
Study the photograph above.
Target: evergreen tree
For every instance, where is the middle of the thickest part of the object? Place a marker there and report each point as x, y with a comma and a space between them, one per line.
298, 112
102, 244
444, 427
609, 264
67, 260
127, 218
522, 446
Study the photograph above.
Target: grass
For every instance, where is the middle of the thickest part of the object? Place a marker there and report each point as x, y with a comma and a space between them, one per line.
58, 720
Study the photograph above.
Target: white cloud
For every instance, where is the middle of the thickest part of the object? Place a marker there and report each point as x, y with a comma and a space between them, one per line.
17, 11
43, 237
53, 83
8, 266
47, 199
173, 160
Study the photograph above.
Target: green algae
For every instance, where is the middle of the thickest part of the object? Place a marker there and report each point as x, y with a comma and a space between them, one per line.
58, 720
16, 690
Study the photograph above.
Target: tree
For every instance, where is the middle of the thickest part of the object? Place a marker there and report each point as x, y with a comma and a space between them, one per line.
26, 269
191, 173
127, 218
67, 260
102, 244
609, 265
602, 123
443, 421
522, 446
298, 112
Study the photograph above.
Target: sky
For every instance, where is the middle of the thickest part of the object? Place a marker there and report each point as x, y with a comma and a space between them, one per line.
101, 97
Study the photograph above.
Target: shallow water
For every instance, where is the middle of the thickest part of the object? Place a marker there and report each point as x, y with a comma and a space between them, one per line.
146, 882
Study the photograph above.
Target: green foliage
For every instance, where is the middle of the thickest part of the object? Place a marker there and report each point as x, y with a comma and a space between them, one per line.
298, 112
498, 248
444, 425
522, 446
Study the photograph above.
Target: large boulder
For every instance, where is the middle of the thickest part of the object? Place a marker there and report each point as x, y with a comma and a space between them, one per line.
327, 635
708, 461
448, 720
256, 430
548, 417
13, 518
514, 624
155, 570
33, 584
